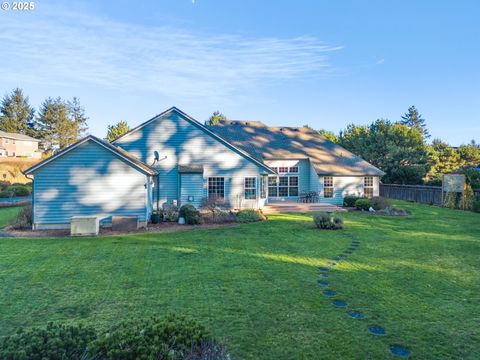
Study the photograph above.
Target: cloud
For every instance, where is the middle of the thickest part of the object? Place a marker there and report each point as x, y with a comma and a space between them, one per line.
63, 47
380, 62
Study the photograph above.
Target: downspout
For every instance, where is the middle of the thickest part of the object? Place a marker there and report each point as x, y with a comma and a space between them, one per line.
158, 192
33, 199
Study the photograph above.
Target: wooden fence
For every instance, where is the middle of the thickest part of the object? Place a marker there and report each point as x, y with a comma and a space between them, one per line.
417, 193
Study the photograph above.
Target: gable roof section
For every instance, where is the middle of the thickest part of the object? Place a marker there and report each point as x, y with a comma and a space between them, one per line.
132, 160
16, 136
269, 143
205, 129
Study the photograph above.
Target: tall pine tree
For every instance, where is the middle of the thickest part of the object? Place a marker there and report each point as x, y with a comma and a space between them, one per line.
216, 117
16, 114
413, 119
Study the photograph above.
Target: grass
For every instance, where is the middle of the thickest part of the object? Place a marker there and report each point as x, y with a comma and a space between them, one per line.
255, 285
8, 214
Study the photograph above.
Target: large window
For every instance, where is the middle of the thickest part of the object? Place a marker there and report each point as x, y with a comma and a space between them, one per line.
368, 186
328, 186
282, 186
263, 187
216, 187
250, 185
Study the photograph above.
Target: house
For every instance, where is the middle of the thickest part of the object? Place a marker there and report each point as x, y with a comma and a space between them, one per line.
14, 145
174, 159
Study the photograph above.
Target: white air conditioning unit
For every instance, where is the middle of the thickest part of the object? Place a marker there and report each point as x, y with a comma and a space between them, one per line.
84, 225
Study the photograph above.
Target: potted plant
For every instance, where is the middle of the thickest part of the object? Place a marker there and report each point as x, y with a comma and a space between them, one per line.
156, 216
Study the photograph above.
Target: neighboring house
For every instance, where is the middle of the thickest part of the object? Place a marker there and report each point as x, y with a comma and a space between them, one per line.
18, 146
174, 159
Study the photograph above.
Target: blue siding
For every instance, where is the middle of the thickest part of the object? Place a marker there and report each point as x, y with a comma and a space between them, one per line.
179, 142
192, 185
88, 180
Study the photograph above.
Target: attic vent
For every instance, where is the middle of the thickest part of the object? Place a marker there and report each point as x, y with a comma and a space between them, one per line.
234, 123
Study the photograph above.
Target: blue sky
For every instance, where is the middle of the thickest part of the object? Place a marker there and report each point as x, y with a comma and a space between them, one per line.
322, 63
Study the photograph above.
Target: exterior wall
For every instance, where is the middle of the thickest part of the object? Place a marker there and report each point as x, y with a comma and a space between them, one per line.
89, 180
191, 185
314, 179
347, 185
179, 142
20, 148
303, 174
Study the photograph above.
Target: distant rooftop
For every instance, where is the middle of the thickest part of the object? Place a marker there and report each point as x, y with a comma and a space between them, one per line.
16, 136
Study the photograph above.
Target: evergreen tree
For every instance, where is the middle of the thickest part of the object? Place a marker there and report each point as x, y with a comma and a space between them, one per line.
117, 130
216, 118
395, 148
413, 119
470, 154
327, 134
443, 159
16, 114
59, 123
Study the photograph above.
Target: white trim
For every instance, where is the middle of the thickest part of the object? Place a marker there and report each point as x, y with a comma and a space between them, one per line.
202, 127
74, 146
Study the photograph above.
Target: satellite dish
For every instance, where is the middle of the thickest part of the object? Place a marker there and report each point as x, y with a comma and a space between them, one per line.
156, 155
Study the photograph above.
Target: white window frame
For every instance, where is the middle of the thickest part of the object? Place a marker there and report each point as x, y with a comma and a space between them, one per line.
370, 187
328, 187
245, 187
263, 186
208, 184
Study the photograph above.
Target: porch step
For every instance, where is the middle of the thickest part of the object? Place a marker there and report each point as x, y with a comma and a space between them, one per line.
274, 208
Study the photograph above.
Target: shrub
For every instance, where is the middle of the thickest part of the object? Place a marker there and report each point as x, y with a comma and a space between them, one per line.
214, 204
363, 204
24, 218
380, 203
6, 194
191, 215
349, 200
20, 190
249, 215
475, 206
55, 342
327, 221
393, 211
167, 337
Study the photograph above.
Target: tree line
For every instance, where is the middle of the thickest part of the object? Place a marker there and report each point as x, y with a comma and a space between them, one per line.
402, 150
57, 123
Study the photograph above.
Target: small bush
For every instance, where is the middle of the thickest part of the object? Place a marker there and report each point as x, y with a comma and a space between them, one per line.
249, 215
363, 204
349, 200
220, 217
24, 218
380, 203
191, 215
6, 194
168, 337
327, 221
55, 342
214, 204
475, 206
20, 190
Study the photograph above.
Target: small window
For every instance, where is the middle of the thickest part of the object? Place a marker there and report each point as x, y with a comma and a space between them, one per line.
293, 185
6, 141
216, 187
328, 186
293, 170
13, 142
368, 186
263, 187
283, 170
250, 187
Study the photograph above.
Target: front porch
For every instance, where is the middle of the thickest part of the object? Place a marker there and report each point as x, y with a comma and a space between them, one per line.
275, 207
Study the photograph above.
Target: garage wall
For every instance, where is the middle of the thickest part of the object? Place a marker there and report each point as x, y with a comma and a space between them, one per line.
88, 180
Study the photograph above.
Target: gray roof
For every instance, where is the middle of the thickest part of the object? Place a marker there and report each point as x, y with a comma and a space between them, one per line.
191, 169
137, 163
268, 143
16, 136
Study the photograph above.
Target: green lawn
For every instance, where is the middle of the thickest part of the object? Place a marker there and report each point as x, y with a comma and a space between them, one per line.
7, 215
255, 285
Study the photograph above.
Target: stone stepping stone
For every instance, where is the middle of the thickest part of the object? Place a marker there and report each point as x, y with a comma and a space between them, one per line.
336, 258
399, 350
329, 293
322, 283
323, 269
324, 275
348, 251
331, 264
377, 330
356, 314
339, 303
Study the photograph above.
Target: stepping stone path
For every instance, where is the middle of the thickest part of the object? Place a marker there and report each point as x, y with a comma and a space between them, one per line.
395, 349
